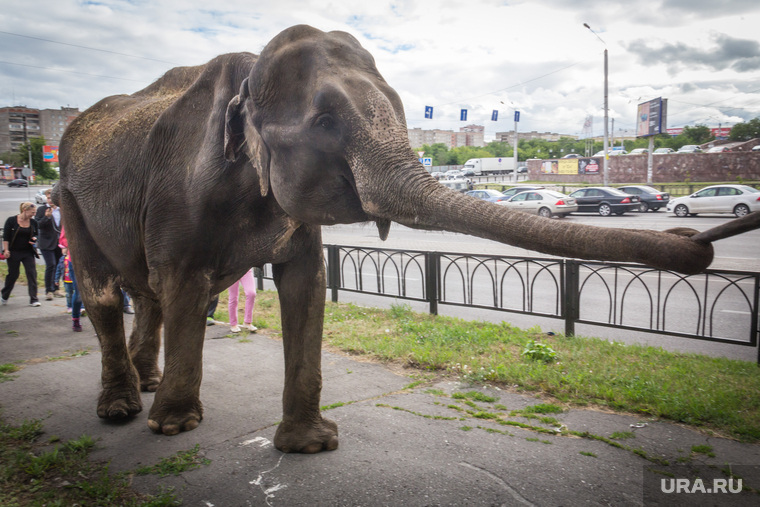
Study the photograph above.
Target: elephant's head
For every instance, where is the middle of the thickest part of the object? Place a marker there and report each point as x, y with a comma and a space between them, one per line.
328, 137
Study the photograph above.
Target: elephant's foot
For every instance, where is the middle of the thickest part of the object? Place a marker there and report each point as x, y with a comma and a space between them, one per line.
307, 437
171, 420
150, 379
119, 403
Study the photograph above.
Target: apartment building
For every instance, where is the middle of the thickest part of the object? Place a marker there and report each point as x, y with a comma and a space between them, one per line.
19, 123
471, 135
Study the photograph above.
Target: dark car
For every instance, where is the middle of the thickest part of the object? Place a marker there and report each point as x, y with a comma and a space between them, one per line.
605, 201
18, 183
650, 197
488, 194
522, 188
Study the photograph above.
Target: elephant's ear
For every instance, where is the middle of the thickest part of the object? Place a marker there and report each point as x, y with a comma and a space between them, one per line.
237, 132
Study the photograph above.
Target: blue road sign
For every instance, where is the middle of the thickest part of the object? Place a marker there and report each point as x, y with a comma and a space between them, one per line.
517, 116
429, 112
463, 115
495, 115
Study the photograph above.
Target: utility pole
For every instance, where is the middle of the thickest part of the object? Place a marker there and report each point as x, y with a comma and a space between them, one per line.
28, 146
517, 119
606, 109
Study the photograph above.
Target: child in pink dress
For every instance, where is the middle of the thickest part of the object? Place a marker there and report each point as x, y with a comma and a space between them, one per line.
249, 288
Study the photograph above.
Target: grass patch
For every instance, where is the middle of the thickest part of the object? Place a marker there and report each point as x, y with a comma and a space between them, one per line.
6, 370
32, 473
182, 461
717, 394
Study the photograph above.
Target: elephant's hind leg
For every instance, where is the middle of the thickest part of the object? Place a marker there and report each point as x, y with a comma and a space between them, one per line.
97, 283
120, 394
145, 341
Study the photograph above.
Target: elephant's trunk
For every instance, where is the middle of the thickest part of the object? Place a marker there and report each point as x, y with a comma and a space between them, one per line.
410, 196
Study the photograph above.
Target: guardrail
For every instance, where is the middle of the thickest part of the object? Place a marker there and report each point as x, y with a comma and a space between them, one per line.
717, 305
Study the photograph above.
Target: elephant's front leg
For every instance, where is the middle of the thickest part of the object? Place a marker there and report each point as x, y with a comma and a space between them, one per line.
177, 406
301, 287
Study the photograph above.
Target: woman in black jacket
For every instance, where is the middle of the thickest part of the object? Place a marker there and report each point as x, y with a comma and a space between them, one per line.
19, 235
49, 222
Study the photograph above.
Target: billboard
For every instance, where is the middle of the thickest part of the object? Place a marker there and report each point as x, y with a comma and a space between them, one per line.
651, 118
50, 153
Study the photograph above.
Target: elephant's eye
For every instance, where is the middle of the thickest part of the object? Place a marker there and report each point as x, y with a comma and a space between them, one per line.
326, 122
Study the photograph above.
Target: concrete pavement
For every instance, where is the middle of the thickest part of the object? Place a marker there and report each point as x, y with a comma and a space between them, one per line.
416, 446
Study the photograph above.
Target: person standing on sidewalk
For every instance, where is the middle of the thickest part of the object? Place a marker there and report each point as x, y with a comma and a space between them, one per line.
19, 236
249, 287
49, 221
76, 299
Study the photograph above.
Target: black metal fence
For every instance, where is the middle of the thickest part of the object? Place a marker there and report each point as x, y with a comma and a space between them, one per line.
717, 305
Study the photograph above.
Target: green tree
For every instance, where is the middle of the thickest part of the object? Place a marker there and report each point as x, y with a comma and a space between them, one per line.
14, 158
745, 131
41, 168
699, 134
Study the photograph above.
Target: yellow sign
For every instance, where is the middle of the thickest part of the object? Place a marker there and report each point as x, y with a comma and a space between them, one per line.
568, 166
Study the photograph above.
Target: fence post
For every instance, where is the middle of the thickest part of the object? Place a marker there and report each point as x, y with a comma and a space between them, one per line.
333, 266
571, 297
259, 274
431, 280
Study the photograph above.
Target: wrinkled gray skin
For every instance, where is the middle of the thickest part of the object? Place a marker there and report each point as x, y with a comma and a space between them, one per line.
175, 191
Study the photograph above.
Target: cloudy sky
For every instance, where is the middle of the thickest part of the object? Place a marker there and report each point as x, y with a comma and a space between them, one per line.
481, 55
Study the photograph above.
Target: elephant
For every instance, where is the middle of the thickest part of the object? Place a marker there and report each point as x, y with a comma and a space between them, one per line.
175, 191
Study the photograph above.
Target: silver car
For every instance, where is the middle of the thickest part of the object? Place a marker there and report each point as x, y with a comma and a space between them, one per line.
40, 196
545, 203
736, 199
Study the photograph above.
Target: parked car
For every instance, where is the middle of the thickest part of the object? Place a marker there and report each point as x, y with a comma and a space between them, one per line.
488, 194
719, 149
453, 174
573, 155
663, 151
459, 185
650, 197
18, 183
522, 188
736, 199
437, 175
545, 203
605, 201
40, 197
613, 153
689, 148
639, 151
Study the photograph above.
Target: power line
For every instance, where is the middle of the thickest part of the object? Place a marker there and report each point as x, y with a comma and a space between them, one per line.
72, 72
86, 47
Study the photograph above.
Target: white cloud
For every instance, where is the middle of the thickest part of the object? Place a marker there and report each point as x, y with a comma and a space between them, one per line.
480, 55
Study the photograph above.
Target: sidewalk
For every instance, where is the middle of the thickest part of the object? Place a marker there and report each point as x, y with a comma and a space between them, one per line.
411, 447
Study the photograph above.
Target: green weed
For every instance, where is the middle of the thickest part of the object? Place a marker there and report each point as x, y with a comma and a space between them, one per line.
182, 461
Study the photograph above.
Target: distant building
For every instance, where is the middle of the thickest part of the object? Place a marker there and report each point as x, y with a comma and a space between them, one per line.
509, 137
471, 135
54, 121
20, 123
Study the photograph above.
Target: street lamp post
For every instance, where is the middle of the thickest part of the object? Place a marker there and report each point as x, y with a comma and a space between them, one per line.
606, 110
